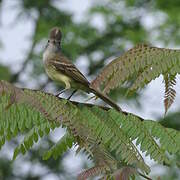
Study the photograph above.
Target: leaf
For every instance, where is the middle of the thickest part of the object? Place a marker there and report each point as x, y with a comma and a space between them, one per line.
60, 147
170, 93
4, 73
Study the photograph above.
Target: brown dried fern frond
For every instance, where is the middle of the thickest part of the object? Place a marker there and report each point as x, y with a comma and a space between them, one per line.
124, 173
170, 92
91, 172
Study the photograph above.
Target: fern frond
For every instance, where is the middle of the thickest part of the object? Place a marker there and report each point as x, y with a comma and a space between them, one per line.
54, 110
12, 121
168, 137
135, 130
141, 64
90, 142
32, 137
94, 171
113, 137
170, 93
152, 59
109, 136
105, 136
124, 173
60, 147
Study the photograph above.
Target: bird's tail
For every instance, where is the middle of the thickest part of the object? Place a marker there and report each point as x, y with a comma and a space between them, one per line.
105, 99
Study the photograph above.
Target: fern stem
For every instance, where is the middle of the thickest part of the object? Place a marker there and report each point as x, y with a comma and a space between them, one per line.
86, 104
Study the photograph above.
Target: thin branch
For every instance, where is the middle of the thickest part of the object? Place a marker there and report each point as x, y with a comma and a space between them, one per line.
87, 104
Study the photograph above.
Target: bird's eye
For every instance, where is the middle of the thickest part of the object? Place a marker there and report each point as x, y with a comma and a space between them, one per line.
48, 41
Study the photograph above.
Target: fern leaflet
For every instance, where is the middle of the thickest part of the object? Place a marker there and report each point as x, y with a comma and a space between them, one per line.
170, 93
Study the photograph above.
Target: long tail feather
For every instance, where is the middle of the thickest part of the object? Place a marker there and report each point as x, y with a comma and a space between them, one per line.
105, 99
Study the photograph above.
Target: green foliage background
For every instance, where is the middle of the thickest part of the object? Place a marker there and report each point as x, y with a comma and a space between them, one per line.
123, 26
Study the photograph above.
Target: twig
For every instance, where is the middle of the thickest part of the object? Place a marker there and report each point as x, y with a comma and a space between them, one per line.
87, 104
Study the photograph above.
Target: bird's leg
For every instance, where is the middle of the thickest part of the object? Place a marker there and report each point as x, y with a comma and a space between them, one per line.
90, 98
57, 95
72, 94
93, 97
67, 86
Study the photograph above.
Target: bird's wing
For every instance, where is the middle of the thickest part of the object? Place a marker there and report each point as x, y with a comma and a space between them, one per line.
62, 64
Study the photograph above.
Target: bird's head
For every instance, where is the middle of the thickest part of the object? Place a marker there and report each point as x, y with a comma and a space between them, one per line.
54, 41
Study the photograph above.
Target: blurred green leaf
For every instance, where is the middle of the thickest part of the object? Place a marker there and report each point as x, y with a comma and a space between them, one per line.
4, 73
171, 121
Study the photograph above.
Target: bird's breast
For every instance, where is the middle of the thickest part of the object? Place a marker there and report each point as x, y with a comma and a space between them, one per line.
53, 74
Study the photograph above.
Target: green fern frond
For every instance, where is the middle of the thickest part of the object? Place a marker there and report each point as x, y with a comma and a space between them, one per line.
76, 121
90, 142
60, 147
112, 137
105, 136
170, 93
32, 137
20, 117
169, 138
116, 139
40, 103
135, 130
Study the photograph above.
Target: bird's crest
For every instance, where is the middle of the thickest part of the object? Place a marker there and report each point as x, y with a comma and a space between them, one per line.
55, 33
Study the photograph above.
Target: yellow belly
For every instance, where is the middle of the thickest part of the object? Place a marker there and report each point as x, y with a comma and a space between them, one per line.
58, 77
63, 80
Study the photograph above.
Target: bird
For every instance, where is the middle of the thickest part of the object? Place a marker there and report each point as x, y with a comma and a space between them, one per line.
61, 70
